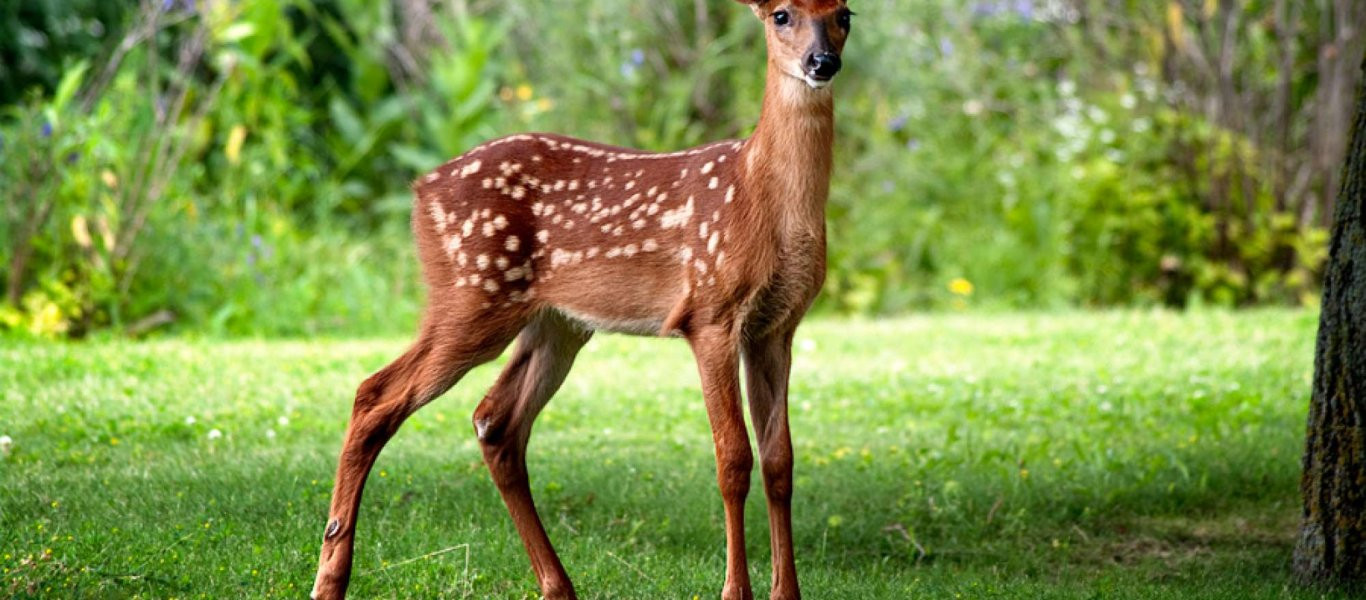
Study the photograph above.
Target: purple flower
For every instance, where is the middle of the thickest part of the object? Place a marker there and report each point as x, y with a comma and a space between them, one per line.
638, 57
897, 124
72, 158
946, 47
47, 129
982, 10
627, 70
256, 242
913, 144
1025, 9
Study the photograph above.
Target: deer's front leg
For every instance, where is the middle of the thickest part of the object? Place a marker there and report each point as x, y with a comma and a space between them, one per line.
768, 362
717, 354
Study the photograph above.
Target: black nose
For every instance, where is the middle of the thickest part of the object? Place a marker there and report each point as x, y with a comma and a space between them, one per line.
822, 65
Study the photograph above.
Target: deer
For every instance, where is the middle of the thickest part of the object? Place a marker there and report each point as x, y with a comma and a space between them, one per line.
546, 239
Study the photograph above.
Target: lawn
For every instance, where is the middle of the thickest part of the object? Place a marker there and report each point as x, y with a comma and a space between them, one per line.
1110, 455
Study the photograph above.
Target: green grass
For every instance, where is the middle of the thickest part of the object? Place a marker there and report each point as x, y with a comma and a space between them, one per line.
1113, 455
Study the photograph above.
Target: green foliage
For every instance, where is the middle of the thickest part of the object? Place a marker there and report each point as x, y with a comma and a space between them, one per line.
244, 166
1115, 455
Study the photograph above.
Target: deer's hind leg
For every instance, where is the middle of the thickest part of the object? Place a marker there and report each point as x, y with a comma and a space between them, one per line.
449, 345
540, 361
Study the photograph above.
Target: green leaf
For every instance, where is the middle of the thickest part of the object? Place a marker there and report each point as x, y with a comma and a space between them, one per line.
71, 81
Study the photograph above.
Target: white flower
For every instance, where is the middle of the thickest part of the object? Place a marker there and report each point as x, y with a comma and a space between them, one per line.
807, 345
283, 421
215, 434
270, 434
189, 420
5, 443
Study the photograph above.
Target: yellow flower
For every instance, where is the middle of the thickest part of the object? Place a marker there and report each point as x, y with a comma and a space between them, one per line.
1024, 473
236, 137
545, 104
109, 178
524, 92
960, 287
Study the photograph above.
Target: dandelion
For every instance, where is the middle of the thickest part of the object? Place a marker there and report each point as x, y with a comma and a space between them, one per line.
189, 420
524, 92
270, 434
834, 521
1024, 473
5, 443
961, 287
283, 421
215, 434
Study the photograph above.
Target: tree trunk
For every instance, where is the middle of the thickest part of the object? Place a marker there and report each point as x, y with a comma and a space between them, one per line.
1332, 544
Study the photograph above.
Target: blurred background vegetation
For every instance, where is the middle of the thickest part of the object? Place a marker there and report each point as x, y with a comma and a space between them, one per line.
242, 167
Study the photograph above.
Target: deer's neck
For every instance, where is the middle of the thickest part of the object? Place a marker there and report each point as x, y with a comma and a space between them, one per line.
787, 160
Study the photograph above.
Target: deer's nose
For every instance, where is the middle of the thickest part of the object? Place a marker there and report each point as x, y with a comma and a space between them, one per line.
822, 65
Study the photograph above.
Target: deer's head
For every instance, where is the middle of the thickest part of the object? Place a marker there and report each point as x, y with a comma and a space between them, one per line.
805, 37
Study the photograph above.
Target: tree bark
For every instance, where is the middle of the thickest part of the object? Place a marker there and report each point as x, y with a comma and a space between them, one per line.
1332, 543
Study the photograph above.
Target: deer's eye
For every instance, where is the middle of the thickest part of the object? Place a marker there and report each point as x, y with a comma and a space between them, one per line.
781, 18
843, 19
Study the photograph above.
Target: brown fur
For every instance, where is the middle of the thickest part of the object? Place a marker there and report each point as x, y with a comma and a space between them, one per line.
547, 238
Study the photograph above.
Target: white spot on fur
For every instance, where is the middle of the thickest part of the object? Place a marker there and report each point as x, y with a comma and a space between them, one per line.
708, 167
713, 184
730, 194
438, 216
471, 168
512, 243
543, 235
677, 217
482, 261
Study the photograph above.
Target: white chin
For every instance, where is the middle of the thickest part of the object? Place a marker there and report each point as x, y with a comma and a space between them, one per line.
817, 84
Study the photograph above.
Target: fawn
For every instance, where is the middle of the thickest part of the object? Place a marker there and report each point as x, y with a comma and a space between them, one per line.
547, 239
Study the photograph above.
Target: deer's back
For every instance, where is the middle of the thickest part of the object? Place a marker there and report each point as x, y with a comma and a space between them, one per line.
613, 237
